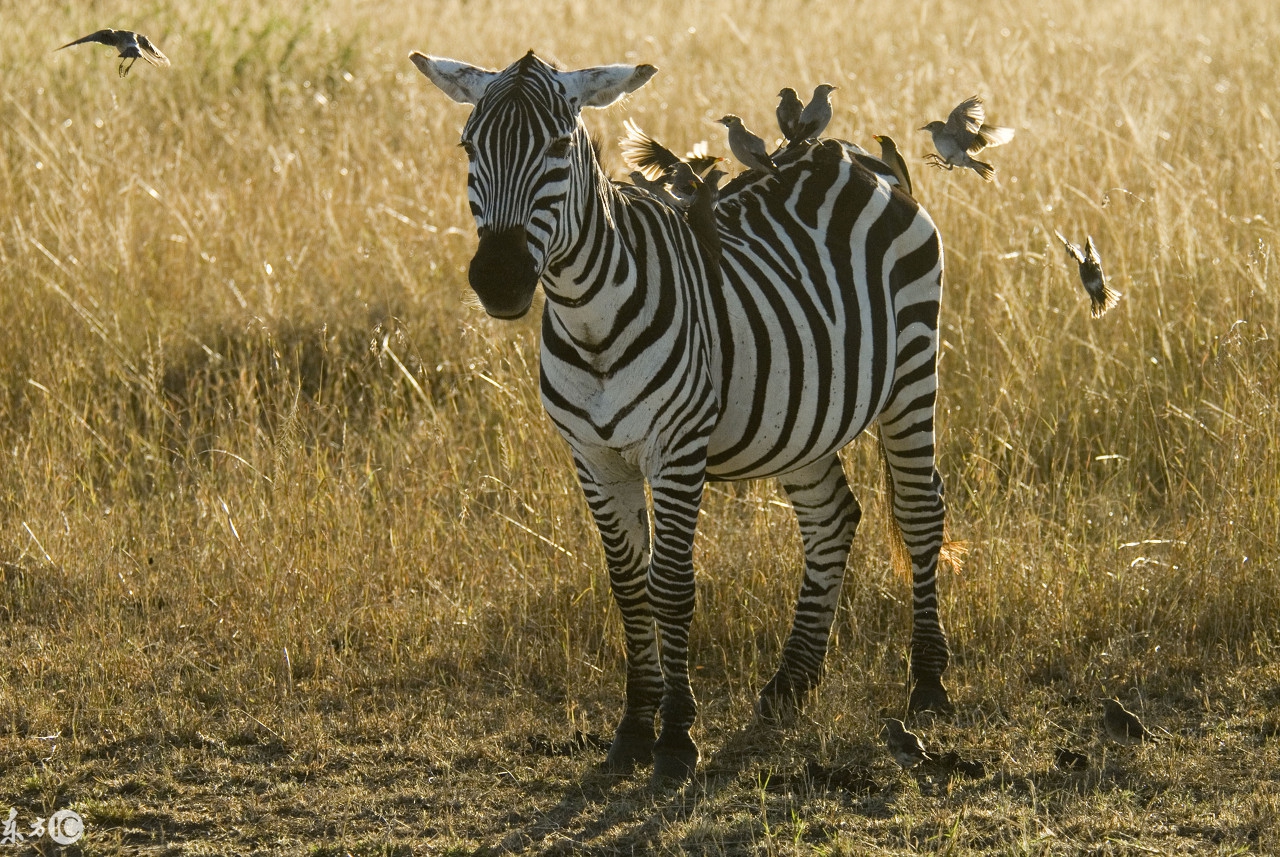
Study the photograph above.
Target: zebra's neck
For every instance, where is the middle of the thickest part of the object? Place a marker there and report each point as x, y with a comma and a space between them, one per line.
620, 259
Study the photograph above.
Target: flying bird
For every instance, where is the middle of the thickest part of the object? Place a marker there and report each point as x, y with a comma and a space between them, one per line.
132, 47
816, 115
642, 152
746, 146
1101, 296
1122, 725
893, 159
905, 746
965, 134
789, 109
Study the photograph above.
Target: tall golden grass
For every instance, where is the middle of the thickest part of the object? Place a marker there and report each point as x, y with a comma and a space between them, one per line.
261, 453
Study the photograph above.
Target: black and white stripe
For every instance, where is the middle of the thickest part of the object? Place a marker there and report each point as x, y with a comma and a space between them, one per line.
824, 320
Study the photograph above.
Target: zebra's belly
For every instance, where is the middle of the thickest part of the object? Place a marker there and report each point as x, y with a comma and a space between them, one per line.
768, 429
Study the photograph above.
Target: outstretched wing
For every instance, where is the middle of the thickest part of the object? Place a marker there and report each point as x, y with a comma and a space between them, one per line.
102, 37
642, 152
967, 117
151, 53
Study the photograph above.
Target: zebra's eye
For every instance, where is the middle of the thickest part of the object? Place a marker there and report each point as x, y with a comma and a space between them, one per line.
469, 149
559, 147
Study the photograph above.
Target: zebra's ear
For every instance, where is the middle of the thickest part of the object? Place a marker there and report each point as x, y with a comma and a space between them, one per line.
462, 82
603, 85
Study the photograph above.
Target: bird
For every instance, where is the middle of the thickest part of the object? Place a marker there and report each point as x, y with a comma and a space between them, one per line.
132, 47
746, 146
701, 216
1122, 725
789, 109
1101, 296
906, 747
893, 159
816, 115
965, 134
642, 152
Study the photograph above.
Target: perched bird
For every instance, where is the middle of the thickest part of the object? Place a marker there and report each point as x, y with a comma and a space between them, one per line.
789, 109
746, 146
893, 158
639, 179
132, 46
701, 215
965, 134
1122, 725
1101, 296
642, 152
816, 114
906, 747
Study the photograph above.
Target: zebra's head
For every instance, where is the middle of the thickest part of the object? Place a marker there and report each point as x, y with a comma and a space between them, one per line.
525, 143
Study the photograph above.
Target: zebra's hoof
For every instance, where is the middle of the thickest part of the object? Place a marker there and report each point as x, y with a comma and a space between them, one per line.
929, 695
673, 767
776, 711
631, 746
780, 703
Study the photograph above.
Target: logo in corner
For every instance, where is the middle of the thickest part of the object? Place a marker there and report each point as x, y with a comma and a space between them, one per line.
65, 827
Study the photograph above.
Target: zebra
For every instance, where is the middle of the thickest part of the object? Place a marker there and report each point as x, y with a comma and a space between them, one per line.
823, 319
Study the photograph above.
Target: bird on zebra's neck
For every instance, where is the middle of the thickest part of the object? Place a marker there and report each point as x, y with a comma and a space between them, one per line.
963, 135
699, 196
746, 146
815, 117
132, 47
894, 161
1101, 296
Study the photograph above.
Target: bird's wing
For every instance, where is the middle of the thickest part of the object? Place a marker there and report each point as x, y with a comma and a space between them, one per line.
102, 37
151, 53
967, 117
1072, 250
992, 135
700, 158
642, 152
1091, 253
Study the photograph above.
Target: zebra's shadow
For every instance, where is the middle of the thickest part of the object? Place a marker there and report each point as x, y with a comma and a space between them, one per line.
627, 814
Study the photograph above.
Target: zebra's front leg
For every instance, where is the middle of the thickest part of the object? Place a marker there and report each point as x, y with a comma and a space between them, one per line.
828, 515
618, 506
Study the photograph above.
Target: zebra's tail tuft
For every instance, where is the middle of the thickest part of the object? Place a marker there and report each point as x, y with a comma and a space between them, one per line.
953, 551
899, 556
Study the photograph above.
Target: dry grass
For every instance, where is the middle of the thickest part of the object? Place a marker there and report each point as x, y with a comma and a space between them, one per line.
291, 560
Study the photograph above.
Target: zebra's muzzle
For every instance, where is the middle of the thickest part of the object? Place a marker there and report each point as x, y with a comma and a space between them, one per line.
503, 273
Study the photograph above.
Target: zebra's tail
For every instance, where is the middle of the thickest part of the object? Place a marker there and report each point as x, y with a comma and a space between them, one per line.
952, 553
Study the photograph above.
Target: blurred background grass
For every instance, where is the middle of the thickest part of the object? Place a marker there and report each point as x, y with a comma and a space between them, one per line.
261, 453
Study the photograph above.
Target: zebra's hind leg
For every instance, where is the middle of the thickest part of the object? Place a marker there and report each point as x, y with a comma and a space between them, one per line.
828, 514
677, 495
918, 510
623, 521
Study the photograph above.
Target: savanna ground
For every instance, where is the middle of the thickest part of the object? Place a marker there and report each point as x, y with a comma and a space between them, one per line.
292, 561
